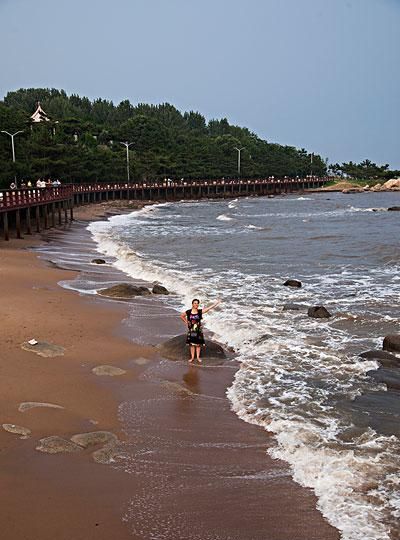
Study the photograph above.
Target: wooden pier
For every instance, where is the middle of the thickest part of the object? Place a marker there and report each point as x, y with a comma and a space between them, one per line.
36, 209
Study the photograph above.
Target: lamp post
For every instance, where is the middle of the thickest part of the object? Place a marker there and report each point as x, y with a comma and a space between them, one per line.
239, 151
127, 145
12, 135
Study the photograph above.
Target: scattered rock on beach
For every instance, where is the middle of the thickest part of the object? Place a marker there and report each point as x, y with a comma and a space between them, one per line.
98, 261
57, 445
176, 349
93, 438
18, 430
392, 343
159, 289
27, 405
109, 371
124, 290
106, 454
43, 348
292, 283
318, 312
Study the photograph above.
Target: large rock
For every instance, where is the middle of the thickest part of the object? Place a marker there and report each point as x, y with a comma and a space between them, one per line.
392, 343
124, 291
98, 261
57, 445
93, 438
384, 358
292, 283
392, 184
388, 376
176, 349
159, 289
394, 209
318, 312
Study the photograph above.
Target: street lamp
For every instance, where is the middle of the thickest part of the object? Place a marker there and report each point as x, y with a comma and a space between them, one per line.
239, 151
12, 135
127, 145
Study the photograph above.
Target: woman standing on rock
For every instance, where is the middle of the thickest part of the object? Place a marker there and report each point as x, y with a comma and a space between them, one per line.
192, 319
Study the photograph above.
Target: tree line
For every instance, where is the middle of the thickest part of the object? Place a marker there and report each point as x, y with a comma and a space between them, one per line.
365, 170
81, 142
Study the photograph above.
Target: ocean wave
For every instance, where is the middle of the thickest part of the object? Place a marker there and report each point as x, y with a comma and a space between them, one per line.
289, 383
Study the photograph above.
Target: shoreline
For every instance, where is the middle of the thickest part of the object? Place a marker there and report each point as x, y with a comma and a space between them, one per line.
82, 495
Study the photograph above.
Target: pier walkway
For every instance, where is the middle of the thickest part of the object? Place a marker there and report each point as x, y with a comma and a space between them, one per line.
41, 208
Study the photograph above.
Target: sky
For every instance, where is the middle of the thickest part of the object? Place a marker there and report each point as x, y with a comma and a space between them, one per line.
317, 74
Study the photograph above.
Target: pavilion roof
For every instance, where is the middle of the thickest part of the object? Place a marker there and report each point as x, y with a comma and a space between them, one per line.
39, 115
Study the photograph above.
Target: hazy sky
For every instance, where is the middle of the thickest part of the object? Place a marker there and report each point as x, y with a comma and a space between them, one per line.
319, 74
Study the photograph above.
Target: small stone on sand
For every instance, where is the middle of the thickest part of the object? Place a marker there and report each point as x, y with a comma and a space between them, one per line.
27, 405
18, 430
109, 371
43, 348
57, 445
93, 438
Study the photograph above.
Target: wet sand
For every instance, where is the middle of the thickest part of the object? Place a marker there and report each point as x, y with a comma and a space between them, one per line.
188, 467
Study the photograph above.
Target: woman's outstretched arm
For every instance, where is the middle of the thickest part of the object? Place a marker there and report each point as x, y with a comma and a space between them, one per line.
215, 304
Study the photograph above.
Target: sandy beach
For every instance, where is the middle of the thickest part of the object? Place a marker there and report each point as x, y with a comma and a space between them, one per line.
200, 472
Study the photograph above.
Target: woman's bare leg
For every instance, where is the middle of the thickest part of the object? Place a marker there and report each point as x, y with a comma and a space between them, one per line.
192, 349
198, 348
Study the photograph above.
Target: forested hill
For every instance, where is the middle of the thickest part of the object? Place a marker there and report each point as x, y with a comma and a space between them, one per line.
81, 142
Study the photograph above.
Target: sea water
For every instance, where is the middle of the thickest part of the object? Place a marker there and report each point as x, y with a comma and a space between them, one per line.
300, 378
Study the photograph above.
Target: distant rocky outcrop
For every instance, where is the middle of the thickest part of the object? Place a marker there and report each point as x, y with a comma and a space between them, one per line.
124, 291
318, 312
159, 289
176, 349
392, 343
292, 283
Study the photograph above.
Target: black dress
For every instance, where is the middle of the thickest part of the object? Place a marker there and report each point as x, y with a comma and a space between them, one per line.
195, 332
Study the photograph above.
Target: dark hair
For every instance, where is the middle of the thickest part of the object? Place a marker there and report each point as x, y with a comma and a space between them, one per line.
195, 300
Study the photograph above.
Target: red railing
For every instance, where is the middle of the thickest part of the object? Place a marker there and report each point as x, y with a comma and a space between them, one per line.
11, 199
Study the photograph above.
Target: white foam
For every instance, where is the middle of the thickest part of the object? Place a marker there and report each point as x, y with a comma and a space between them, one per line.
224, 217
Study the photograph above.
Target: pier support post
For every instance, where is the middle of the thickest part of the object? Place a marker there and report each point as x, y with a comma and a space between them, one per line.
5, 226
64, 203
53, 217
71, 210
18, 223
37, 218
28, 220
59, 213
46, 217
